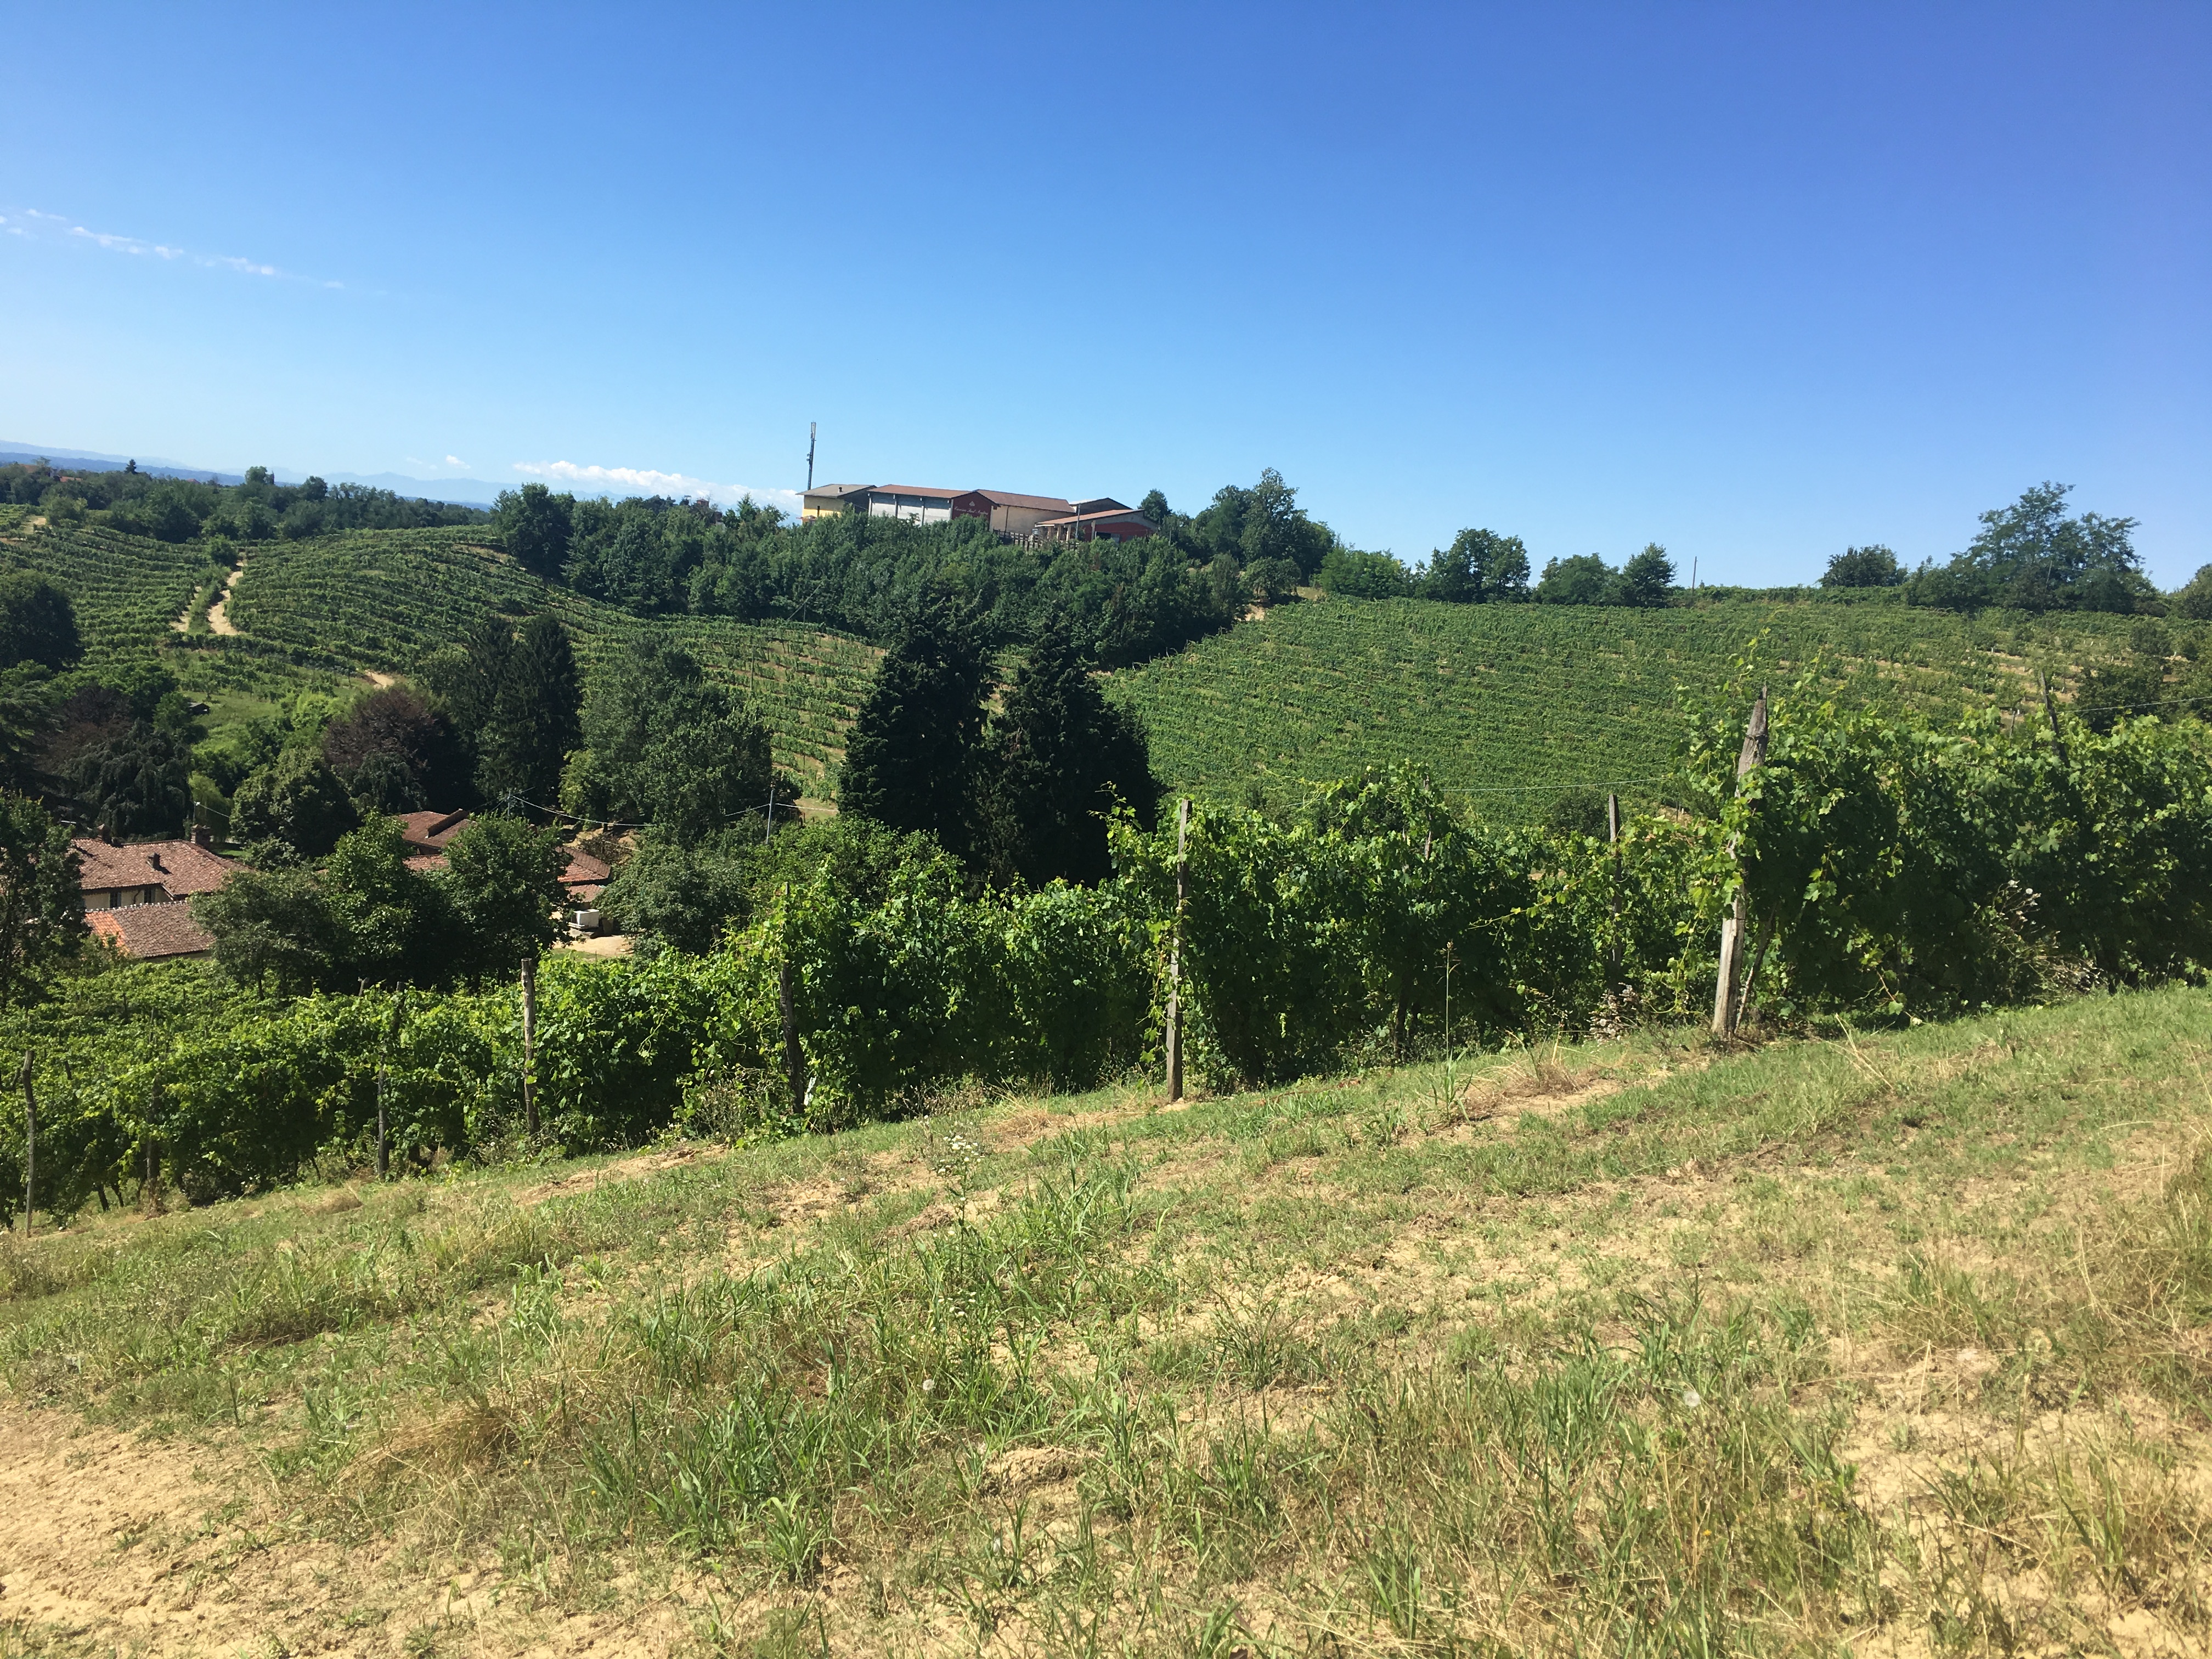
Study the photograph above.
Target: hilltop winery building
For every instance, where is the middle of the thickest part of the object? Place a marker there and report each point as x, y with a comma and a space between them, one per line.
1019, 518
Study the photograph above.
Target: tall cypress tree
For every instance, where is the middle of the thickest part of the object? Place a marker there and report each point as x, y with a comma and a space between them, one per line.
1058, 754
911, 760
534, 719
472, 686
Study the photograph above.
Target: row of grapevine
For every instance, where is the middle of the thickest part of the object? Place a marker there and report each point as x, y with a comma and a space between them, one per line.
127, 590
1897, 868
381, 599
1529, 699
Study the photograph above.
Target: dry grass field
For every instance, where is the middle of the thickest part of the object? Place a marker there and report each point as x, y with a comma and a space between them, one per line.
1895, 1343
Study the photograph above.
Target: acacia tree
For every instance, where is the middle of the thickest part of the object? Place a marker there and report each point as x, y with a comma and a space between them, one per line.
1872, 565
37, 623
1480, 566
665, 745
536, 523
298, 800
503, 876
41, 902
2030, 555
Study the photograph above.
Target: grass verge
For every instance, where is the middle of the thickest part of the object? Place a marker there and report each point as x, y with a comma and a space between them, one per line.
1896, 1341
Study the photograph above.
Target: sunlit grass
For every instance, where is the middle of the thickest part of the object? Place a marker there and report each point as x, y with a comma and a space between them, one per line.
1625, 1348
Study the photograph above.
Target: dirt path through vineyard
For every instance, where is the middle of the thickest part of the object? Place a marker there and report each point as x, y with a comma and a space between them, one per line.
219, 620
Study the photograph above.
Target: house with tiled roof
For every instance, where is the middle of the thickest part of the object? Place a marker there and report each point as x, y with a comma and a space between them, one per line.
147, 871
428, 834
1015, 516
163, 931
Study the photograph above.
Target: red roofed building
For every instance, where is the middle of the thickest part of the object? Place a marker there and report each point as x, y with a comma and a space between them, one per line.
147, 871
160, 931
428, 834
1049, 517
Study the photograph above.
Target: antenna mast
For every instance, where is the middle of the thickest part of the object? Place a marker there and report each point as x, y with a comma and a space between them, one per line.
809, 454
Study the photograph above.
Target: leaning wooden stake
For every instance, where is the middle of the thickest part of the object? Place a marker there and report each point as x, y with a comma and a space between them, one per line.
530, 1046
2051, 714
30, 1144
1735, 925
1175, 953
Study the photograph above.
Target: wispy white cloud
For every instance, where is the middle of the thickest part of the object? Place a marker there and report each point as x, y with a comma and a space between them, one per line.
31, 222
455, 460
644, 481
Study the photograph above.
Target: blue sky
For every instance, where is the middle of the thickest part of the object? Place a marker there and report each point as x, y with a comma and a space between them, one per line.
1753, 281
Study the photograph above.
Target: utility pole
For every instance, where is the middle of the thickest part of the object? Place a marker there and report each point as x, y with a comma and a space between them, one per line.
809, 454
1737, 923
1174, 954
767, 824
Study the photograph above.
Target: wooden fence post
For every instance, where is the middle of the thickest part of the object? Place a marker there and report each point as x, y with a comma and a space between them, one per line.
530, 1046
1735, 925
1175, 952
30, 1144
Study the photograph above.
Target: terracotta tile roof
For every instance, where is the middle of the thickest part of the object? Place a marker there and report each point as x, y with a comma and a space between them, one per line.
150, 931
179, 867
583, 868
1036, 503
431, 830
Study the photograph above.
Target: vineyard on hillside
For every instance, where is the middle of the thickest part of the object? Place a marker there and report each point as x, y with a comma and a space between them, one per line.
1526, 700
381, 599
376, 601
127, 589
1514, 702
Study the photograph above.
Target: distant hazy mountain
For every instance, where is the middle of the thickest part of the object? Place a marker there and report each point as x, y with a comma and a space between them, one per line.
468, 492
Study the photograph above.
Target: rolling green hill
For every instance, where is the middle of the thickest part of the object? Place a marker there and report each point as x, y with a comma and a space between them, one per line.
1514, 702
1521, 701
127, 590
372, 602
378, 599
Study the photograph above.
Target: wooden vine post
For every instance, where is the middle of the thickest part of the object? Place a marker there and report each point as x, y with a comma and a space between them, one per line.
1736, 926
150, 1190
794, 1057
382, 1078
2051, 714
530, 1046
1612, 938
1174, 951
30, 1144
